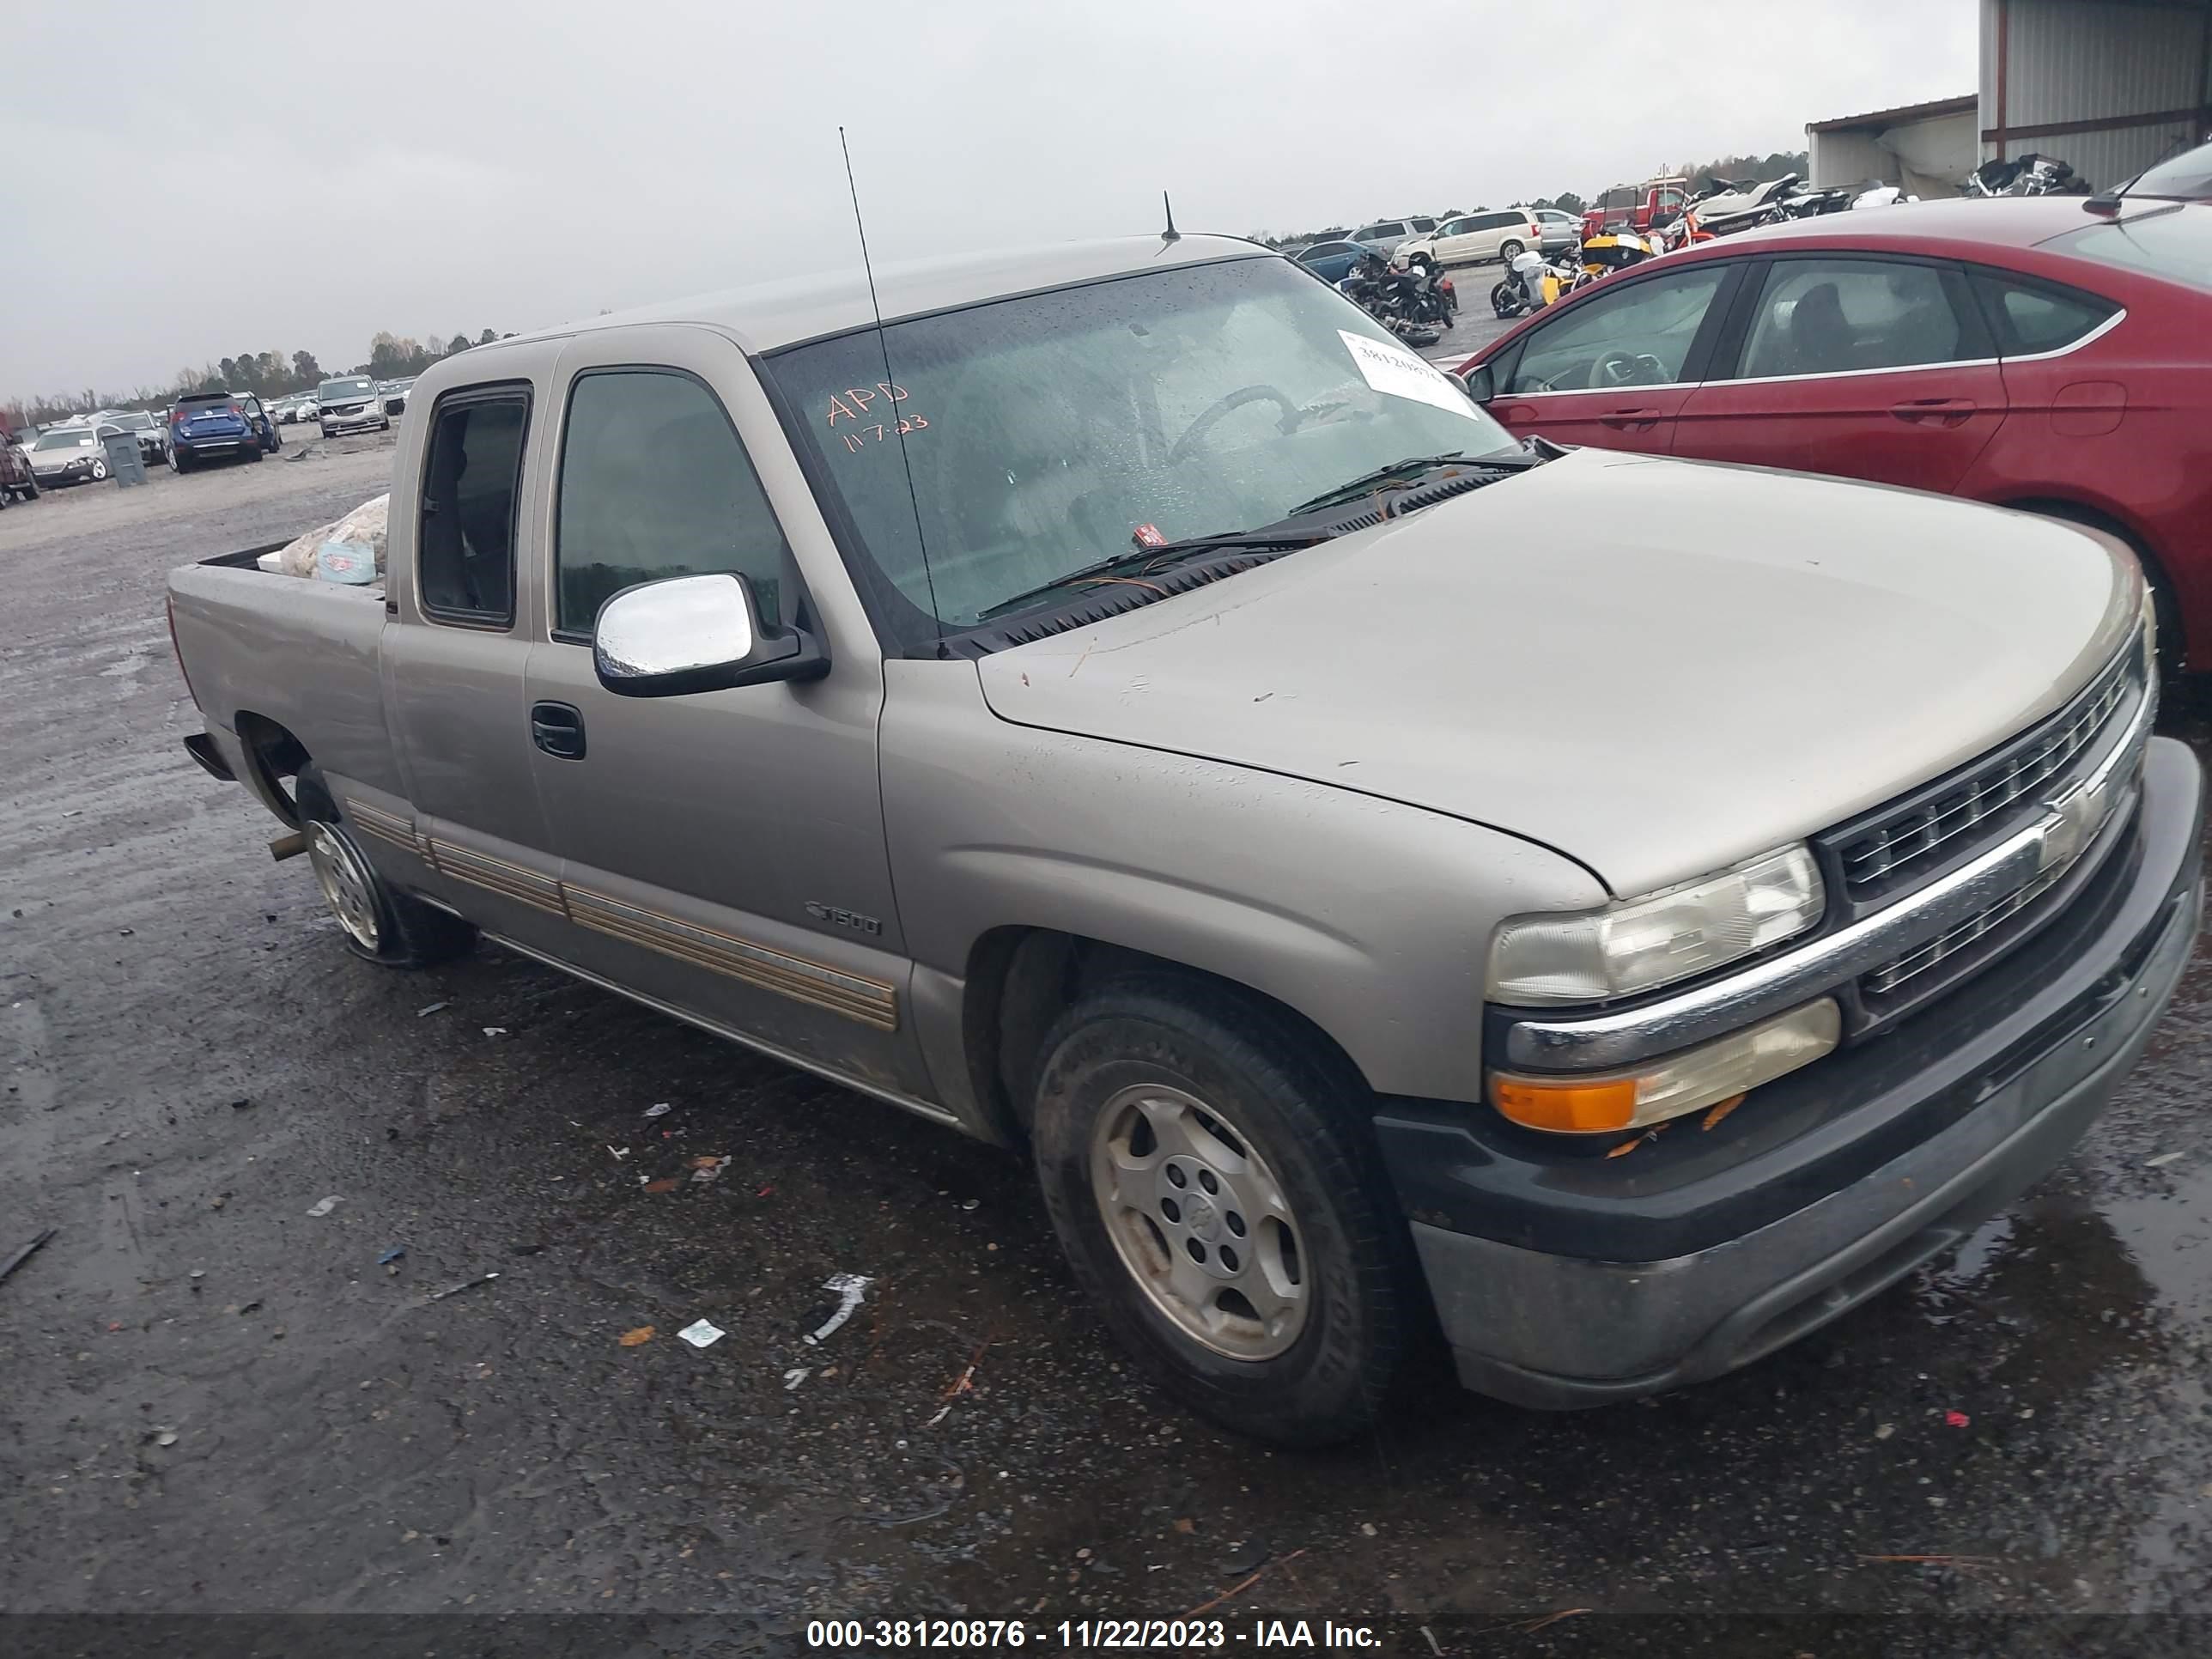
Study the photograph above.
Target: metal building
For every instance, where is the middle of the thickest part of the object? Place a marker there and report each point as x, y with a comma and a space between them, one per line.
1925, 147
2112, 86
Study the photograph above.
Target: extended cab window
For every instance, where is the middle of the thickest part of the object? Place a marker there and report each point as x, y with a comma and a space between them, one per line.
1830, 316
465, 548
2031, 318
1637, 335
654, 483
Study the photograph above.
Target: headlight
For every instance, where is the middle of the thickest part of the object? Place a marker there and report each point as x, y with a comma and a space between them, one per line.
1712, 1072
1588, 956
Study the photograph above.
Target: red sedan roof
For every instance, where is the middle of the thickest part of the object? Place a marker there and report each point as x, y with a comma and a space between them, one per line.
2012, 221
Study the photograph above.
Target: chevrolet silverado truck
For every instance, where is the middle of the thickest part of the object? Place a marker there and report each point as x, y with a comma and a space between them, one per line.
1118, 703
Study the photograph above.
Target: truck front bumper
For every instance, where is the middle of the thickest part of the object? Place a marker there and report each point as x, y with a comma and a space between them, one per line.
1824, 1186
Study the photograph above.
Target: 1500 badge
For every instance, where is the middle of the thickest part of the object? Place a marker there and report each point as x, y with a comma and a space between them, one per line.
837, 917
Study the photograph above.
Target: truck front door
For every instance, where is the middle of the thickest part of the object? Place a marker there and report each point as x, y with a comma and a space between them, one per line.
722, 853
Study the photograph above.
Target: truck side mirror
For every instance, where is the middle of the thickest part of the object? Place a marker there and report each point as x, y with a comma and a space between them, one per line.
691, 633
1480, 383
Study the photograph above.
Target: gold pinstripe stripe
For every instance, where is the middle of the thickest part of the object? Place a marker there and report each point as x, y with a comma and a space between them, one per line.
872, 1002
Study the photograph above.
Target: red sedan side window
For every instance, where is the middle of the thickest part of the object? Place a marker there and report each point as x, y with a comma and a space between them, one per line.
1831, 316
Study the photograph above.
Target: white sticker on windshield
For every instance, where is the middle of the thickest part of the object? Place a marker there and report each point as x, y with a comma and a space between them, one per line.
1389, 367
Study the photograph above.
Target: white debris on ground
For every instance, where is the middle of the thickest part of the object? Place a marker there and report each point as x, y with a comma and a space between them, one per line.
362, 528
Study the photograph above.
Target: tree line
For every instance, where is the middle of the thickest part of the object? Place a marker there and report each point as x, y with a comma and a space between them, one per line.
1753, 169
266, 374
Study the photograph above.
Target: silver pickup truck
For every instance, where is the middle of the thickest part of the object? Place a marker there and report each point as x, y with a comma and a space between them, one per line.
1127, 707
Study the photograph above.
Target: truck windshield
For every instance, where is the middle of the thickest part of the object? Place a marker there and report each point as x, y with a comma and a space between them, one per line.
1049, 432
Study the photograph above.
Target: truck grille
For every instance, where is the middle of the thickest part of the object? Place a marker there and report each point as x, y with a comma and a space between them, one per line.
1916, 836
1884, 979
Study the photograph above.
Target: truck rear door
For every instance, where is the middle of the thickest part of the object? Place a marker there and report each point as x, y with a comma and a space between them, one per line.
721, 852
453, 667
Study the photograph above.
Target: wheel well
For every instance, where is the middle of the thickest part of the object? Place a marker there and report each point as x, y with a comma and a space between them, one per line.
272, 755
1020, 979
2172, 630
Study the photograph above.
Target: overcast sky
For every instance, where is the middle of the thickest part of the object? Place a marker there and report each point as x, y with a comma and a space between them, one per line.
185, 182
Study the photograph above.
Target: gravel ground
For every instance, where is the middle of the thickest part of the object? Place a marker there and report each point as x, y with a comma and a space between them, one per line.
218, 1402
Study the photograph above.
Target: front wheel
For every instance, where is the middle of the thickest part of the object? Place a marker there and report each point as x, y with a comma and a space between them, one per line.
1212, 1177
99, 471
1504, 301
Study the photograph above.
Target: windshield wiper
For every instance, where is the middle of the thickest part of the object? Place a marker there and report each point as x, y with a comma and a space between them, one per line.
1412, 467
1238, 541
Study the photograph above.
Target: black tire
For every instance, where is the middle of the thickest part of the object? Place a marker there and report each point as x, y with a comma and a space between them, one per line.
179, 462
385, 426
1511, 249
99, 469
1504, 301
254, 452
409, 933
1305, 1116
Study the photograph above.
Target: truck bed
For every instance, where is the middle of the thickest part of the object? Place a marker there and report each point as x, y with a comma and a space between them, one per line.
300, 653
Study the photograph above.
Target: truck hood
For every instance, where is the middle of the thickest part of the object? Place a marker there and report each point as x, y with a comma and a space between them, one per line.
1657, 667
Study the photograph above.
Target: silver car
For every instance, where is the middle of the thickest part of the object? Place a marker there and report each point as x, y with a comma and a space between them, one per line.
1559, 231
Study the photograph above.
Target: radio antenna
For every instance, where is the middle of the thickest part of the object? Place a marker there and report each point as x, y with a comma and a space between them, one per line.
891, 390
1170, 235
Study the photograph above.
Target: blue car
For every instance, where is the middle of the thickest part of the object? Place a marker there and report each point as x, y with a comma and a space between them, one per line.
210, 426
1332, 261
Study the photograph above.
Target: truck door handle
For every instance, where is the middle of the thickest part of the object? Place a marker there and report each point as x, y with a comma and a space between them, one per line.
558, 729
1629, 419
1942, 411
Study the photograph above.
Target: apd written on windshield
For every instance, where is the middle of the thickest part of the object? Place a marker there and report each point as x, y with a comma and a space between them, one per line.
859, 429
1180, 1635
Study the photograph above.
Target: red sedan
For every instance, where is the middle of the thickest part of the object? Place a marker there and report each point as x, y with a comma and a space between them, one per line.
2028, 353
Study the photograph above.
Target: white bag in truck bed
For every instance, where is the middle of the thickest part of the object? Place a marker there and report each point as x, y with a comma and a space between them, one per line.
365, 524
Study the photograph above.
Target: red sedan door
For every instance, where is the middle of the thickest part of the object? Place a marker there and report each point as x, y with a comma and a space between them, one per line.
1611, 367
1875, 368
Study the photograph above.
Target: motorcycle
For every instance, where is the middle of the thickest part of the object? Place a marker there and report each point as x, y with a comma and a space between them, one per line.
2031, 175
1532, 281
1812, 204
1881, 196
1688, 226
1412, 301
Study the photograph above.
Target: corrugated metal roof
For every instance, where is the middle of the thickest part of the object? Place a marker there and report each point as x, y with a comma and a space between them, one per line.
1890, 117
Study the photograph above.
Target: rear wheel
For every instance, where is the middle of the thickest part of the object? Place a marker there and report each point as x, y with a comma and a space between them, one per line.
1510, 250
253, 451
1212, 1177
379, 922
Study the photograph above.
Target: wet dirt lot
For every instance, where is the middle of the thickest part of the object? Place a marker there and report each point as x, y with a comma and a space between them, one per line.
216, 1402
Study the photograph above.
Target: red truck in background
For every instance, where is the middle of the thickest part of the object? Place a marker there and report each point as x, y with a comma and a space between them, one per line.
1643, 208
